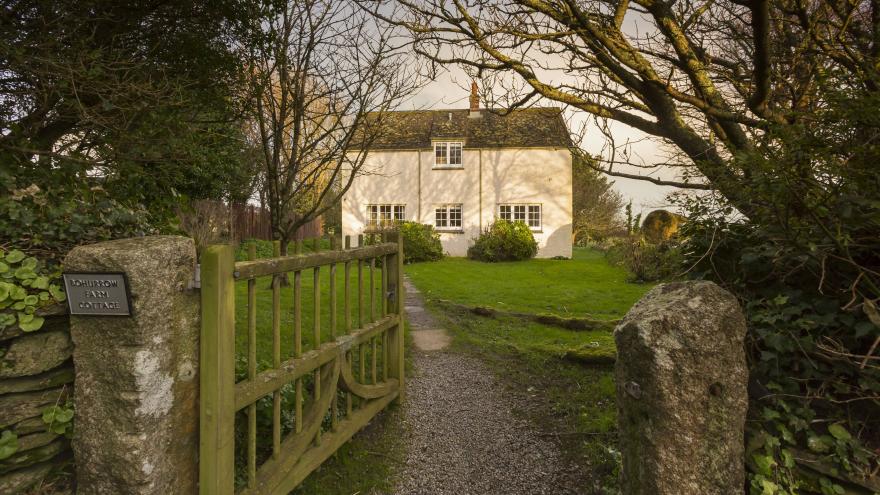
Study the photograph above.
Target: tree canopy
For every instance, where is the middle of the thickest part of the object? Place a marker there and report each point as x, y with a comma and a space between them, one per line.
135, 96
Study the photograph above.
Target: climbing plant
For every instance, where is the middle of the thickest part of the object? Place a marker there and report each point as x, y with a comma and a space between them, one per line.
38, 227
26, 284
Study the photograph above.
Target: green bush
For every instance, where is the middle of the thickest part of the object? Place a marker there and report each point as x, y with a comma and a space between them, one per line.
646, 262
420, 242
504, 241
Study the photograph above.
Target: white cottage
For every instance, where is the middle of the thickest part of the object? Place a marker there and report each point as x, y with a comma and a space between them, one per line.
458, 170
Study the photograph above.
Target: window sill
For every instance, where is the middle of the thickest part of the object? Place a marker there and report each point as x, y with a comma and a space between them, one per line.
449, 231
447, 167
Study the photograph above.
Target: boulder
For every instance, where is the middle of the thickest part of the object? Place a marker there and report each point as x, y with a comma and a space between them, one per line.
681, 380
35, 353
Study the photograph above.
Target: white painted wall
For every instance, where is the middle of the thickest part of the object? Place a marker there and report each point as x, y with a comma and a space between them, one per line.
489, 177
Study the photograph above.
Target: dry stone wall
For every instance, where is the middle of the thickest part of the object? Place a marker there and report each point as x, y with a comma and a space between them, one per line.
36, 373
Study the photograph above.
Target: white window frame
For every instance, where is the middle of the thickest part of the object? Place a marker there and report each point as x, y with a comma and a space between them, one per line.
449, 213
531, 214
444, 151
381, 215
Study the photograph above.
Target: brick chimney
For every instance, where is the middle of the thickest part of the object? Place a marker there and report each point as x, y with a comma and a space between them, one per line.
475, 102
475, 98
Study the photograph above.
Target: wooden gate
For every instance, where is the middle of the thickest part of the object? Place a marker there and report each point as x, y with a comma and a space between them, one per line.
337, 385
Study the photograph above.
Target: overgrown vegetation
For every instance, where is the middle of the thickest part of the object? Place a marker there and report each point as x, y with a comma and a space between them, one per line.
645, 261
504, 240
420, 242
806, 266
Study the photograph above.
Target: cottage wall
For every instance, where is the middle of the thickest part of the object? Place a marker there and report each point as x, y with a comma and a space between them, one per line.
488, 177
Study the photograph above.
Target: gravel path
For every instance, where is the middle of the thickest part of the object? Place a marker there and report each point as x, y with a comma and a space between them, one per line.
461, 434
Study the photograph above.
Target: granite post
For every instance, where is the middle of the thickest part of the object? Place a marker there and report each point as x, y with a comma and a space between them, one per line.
136, 394
681, 380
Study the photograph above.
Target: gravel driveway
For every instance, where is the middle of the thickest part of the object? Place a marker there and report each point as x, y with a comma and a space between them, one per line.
461, 434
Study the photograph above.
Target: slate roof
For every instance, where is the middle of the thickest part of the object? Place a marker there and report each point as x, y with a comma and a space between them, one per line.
522, 128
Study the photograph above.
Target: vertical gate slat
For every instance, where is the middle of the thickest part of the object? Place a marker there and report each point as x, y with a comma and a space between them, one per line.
395, 305
383, 307
360, 287
276, 354
385, 356
252, 372
348, 318
317, 336
373, 355
335, 404
297, 344
362, 361
372, 290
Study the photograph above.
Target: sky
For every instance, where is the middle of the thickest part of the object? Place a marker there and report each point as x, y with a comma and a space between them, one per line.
449, 91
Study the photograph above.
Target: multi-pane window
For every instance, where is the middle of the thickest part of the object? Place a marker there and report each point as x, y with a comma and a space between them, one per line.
383, 215
447, 154
447, 217
528, 214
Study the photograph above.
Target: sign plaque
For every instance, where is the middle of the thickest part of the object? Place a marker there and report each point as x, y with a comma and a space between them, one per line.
97, 294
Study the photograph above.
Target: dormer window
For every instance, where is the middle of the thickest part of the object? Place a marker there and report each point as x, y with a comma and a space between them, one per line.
447, 154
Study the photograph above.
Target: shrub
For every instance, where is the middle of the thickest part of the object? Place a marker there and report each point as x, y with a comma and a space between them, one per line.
646, 262
504, 241
420, 242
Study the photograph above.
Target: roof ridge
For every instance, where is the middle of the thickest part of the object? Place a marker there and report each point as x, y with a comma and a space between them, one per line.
423, 110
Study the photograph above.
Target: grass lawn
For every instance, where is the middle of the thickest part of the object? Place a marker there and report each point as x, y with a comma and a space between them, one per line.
566, 397
585, 286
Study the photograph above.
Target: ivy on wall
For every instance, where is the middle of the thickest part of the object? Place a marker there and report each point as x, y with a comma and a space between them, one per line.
26, 285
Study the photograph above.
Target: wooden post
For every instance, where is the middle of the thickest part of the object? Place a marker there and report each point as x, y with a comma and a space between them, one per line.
395, 296
217, 378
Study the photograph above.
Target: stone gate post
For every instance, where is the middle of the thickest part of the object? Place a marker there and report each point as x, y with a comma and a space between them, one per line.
136, 389
681, 380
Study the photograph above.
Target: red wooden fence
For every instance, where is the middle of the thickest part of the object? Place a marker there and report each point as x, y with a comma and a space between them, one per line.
252, 222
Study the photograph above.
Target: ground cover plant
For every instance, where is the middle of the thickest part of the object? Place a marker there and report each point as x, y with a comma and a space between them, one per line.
585, 286
571, 398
